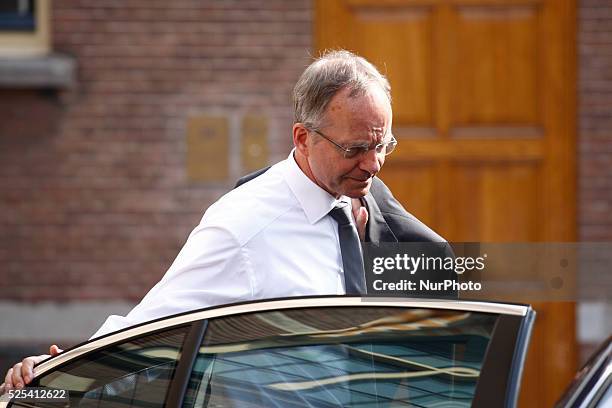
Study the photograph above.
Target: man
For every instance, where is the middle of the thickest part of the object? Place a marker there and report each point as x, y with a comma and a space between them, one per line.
278, 234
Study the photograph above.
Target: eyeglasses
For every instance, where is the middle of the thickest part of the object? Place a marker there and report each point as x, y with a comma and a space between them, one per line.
361, 149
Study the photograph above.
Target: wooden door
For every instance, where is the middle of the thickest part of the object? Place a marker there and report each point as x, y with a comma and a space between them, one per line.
483, 100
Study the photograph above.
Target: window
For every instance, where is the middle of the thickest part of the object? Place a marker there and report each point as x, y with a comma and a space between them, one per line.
320, 357
135, 373
606, 398
24, 27
17, 15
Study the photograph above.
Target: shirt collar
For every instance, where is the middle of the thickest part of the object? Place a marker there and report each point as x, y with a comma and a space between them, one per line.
315, 201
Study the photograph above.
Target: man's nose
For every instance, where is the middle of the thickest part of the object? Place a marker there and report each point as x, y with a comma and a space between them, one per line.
371, 162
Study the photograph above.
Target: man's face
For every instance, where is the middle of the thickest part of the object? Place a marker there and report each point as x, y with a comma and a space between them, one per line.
350, 121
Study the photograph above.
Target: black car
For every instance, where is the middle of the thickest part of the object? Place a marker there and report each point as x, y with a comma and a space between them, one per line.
592, 386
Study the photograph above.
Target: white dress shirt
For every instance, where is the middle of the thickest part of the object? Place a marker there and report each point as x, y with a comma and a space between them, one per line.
270, 237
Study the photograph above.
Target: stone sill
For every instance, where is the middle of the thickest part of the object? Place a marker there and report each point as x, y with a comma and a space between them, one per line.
51, 71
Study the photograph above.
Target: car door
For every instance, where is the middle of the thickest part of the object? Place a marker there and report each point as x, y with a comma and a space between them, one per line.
305, 352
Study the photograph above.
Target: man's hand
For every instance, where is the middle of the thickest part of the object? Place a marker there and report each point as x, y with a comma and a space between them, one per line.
22, 373
360, 214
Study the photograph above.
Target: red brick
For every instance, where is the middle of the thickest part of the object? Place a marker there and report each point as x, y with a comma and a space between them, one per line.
93, 191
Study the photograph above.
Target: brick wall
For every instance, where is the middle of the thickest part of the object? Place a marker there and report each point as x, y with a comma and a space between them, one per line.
594, 163
595, 120
95, 201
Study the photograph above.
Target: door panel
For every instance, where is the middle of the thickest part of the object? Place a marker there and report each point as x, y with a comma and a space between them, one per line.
484, 112
495, 66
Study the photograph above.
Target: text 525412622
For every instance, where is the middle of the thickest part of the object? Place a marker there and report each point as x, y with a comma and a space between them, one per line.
37, 394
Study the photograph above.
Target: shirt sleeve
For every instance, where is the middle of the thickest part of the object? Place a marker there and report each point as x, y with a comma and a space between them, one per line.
211, 269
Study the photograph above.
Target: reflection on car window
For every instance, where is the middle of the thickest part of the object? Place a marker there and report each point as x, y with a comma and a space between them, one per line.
136, 373
324, 357
606, 398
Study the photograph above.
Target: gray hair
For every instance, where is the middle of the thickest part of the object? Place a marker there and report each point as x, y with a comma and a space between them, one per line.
330, 73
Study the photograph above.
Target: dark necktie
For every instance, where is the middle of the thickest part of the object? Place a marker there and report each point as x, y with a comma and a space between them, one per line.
352, 261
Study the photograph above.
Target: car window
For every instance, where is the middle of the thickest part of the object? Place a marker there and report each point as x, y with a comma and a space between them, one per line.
320, 357
135, 373
606, 398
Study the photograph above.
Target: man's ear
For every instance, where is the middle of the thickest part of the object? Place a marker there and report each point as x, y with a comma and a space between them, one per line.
300, 138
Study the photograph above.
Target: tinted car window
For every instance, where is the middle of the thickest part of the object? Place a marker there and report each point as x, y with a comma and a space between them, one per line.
606, 398
362, 357
135, 373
